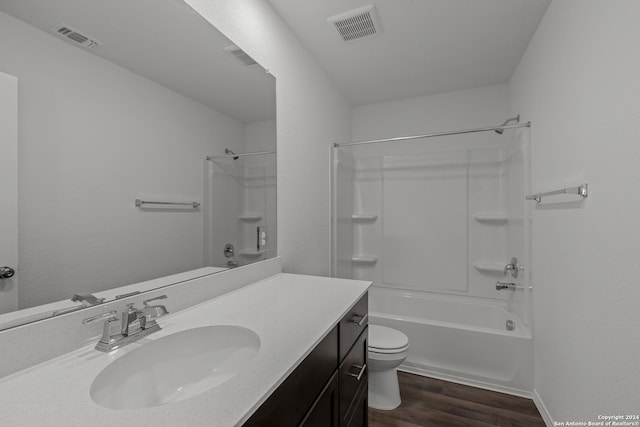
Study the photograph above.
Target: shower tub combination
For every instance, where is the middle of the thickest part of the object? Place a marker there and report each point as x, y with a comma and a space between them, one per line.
458, 340
433, 225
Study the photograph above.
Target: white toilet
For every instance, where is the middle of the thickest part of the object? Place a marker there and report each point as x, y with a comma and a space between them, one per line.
387, 350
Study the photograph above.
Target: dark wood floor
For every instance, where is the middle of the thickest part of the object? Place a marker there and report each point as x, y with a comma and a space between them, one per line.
431, 402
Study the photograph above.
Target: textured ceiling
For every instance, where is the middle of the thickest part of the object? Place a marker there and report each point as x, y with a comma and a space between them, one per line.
427, 46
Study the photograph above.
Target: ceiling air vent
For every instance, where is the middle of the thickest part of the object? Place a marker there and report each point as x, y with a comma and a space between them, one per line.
357, 24
75, 36
240, 55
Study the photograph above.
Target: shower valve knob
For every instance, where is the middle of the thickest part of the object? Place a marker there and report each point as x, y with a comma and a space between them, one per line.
514, 267
6, 272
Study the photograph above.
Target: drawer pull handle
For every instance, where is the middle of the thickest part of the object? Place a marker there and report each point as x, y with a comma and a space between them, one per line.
357, 376
359, 319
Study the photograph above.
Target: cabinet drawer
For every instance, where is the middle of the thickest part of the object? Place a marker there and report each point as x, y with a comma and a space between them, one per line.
352, 324
353, 377
290, 402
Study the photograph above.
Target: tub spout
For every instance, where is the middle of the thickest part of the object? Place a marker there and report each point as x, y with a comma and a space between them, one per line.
505, 285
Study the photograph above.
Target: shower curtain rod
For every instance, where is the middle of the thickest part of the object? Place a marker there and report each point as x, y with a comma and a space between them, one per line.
431, 135
226, 156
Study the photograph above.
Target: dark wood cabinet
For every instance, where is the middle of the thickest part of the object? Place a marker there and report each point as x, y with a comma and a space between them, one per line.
353, 378
324, 412
329, 387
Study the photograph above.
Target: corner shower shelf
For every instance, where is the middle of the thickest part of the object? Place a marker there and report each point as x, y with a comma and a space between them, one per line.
489, 267
250, 252
250, 217
365, 260
491, 217
364, 217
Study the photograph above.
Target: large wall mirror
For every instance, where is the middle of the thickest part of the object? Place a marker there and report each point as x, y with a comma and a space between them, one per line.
146, 149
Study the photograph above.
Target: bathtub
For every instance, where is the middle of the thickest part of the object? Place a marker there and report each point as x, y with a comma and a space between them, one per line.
457, 339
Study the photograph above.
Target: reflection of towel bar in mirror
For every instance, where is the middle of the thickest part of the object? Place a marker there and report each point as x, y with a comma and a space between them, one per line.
140, 202
235, 156
581, 190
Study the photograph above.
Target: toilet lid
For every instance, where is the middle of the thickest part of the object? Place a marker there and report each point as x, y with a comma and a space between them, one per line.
383, 339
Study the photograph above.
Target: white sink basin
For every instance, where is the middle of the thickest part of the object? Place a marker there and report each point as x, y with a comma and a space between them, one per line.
175, 367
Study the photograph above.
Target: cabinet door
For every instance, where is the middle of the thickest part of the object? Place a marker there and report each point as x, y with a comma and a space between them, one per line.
353, 377
324, 412
360, 415
289, 403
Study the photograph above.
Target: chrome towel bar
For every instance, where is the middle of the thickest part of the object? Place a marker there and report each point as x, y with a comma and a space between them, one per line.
140, 202
581, 190
234, 156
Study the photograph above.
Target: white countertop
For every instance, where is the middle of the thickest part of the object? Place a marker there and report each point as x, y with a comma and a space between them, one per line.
290, 313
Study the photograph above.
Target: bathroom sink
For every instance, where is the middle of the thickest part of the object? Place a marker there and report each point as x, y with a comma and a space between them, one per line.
175, 367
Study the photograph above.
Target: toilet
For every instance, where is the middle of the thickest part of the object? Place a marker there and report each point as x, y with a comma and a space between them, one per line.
387, 349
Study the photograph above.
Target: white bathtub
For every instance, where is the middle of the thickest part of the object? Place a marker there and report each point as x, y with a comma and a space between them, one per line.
455, 339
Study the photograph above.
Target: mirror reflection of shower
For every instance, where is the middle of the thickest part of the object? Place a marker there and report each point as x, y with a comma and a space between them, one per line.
247, 180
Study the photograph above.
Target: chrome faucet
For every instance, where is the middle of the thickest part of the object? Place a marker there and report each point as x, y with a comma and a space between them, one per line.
132, 324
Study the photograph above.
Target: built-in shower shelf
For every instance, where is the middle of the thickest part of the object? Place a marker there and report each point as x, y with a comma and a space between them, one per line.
489, 267
250, 252
491, 217
364, 217
369, 260
250, 217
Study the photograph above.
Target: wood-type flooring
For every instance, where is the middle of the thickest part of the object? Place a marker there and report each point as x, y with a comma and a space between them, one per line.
428, 402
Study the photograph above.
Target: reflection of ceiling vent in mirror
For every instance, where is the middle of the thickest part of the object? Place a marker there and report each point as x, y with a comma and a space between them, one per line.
357, 24
75, 36
240, 55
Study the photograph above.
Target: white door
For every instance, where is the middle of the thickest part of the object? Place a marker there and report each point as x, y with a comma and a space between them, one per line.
8, 190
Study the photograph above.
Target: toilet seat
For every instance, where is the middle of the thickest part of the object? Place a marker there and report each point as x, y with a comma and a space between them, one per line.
385, 340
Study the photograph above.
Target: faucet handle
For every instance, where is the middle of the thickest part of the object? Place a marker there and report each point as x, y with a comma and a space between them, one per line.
151, 312
87, 300
513, 267
147, 301
108, 315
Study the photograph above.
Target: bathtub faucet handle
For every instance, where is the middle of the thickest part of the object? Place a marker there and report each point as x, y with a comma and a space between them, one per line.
514, 267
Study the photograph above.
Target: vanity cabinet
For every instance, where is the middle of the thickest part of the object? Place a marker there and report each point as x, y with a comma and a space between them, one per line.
329, 387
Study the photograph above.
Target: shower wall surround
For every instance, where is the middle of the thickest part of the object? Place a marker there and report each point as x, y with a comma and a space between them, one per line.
443, 203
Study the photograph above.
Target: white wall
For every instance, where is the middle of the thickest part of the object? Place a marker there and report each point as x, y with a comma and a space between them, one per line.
311, 115
578, 83
462, 109
80, 116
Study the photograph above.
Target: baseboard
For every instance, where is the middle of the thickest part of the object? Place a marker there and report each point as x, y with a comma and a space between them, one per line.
542, 409
466, 381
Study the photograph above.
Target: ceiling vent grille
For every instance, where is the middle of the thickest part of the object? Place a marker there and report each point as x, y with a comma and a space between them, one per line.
241, 55
76, 36
357, 24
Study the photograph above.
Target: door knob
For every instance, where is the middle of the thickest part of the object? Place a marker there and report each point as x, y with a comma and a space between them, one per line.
6, 272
